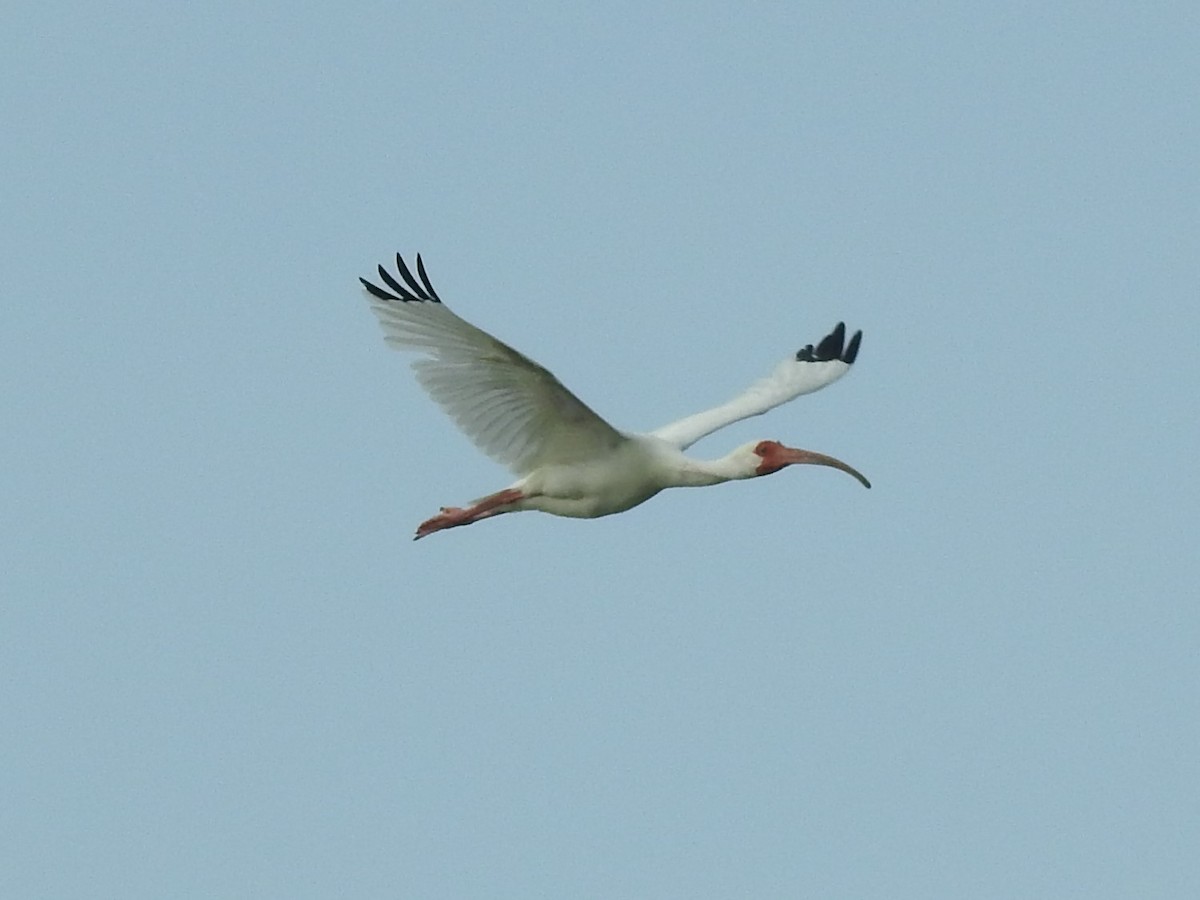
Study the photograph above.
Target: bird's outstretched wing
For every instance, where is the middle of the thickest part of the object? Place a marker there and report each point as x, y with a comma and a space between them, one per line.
810, 369
514, 410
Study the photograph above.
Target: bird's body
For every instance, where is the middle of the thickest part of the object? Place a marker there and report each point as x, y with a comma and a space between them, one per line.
571, 462
632, 473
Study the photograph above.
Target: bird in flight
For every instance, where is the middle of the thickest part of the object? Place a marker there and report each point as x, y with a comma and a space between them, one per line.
569, 461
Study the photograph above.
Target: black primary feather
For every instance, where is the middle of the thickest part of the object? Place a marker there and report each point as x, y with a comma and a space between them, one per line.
415, 292
832, 346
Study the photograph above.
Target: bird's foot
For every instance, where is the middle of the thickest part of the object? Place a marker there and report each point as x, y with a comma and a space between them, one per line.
449, 517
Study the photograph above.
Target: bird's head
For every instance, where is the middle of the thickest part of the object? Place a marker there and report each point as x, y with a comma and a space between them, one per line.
768, 457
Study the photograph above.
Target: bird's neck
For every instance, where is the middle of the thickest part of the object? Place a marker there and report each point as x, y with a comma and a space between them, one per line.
703, 472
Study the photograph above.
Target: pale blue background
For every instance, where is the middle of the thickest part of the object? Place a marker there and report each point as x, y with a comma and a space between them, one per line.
227, 672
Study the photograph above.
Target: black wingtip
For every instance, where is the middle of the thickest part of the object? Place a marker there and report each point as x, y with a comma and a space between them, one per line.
832, 346
411, 291
851, 353
425, 280
375, 291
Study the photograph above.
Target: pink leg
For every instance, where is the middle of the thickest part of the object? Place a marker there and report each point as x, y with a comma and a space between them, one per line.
452, 516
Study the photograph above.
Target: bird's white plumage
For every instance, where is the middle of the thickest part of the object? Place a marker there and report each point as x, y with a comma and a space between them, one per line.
571, 461
791, 378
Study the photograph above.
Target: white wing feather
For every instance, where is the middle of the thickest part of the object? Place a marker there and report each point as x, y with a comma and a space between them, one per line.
807, 371
513, 409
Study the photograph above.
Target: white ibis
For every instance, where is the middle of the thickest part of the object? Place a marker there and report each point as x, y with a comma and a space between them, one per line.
571, 462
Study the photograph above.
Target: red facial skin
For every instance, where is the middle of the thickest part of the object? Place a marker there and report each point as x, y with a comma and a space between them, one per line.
776, 456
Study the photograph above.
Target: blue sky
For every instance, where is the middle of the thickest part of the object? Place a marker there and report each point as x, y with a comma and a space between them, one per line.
228, 672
